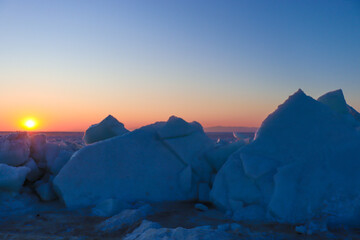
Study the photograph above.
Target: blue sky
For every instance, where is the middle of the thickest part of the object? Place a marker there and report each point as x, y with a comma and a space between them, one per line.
217, 62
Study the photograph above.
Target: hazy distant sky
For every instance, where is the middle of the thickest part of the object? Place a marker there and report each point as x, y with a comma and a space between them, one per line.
70, 63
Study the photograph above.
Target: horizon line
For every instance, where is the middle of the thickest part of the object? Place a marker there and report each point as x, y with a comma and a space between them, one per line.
82, 131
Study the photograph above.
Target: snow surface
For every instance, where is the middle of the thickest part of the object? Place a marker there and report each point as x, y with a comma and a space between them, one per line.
201, 207
124, 219
151, 232
110, 207
139, 231
107, 128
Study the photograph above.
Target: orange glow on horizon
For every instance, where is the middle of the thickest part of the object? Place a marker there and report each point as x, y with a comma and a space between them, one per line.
54, 121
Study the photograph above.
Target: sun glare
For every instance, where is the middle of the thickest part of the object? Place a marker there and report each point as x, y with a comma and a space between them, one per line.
30, 124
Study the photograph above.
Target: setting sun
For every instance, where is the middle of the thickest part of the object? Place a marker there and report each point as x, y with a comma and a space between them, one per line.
30, 124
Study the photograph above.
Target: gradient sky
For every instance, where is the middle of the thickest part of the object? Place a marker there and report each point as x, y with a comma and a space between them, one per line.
70, 63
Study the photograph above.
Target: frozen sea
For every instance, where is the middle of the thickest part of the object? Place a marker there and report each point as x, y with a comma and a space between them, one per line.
76, 137
56, 137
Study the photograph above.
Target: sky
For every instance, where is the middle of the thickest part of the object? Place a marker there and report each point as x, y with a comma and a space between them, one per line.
70, 63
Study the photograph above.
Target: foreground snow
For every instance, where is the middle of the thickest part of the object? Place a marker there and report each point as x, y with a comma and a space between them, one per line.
24, 217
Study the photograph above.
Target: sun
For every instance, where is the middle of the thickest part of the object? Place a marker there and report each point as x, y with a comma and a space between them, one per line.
30, 123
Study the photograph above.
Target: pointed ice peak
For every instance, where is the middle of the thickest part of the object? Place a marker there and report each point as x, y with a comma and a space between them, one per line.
297, 95
110, 117
335, 100
111, 120
176, 127
174, 118
333, 94
107, 128
299, 92
297, 98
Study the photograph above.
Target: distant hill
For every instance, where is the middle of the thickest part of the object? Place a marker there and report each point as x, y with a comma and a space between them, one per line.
230, 129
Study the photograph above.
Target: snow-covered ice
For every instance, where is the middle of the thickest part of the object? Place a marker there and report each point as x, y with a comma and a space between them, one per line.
304, 155
37, 158
336, 101
159, 162
38, 148
55, 164
218, 155
107, 128
12, 178
14, 149
45, 191
35, 173
51, 156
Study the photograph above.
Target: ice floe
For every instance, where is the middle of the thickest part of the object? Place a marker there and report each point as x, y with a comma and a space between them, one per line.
159, 162
107, 128
304, 155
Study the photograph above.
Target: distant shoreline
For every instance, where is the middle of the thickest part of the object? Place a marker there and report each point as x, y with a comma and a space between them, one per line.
231, 129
